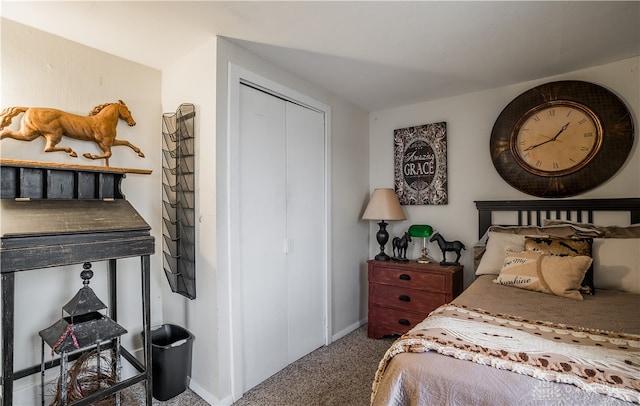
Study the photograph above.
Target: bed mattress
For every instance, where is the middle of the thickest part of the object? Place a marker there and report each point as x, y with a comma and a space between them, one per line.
430, 378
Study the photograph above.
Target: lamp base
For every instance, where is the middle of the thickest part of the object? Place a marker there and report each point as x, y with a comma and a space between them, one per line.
382, 236
426, 260
382, 257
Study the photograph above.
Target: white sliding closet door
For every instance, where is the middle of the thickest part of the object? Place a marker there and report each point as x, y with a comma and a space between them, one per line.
262, 235
305, 229
281, 232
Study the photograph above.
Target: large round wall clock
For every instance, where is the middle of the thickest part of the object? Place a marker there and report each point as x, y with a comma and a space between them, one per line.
561, 138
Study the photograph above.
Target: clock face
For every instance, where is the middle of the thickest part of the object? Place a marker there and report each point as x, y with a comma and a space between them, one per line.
556, 138
562, 138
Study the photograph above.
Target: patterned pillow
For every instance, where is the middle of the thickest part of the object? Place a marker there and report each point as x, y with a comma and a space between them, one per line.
565, 247
545, 273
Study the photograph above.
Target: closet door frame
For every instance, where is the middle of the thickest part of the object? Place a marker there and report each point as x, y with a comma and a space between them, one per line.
238, 76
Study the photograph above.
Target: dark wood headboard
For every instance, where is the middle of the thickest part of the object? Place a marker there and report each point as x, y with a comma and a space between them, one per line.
535, 211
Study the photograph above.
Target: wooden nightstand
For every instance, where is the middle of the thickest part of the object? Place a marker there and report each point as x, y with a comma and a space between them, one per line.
402, 294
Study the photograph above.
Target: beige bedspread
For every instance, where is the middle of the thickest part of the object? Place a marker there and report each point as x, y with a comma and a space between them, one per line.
430, 378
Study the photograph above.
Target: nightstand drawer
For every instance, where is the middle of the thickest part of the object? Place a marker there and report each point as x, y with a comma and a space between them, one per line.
407, 299
391, 321
401, 294
435, 282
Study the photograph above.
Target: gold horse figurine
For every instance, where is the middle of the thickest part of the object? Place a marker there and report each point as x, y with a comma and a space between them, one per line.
99, 126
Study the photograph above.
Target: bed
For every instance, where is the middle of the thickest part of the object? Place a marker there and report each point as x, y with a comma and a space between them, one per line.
498, 343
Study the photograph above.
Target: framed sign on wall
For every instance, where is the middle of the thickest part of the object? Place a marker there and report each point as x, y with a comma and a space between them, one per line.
420, 155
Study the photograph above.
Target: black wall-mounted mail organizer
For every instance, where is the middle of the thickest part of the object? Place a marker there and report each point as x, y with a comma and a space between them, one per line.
178, 214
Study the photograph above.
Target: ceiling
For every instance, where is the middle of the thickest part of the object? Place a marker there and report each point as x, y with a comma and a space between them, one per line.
378, 55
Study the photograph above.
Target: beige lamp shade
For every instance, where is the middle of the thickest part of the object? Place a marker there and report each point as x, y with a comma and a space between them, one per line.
384, 205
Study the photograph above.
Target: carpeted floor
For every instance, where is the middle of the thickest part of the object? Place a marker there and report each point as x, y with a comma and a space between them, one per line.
336, 375
187, 398
135, 396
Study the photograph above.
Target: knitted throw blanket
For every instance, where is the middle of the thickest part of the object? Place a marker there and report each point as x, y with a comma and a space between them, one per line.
599, 361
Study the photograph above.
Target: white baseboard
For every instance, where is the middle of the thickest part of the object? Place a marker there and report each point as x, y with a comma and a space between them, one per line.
353, 327
208, 397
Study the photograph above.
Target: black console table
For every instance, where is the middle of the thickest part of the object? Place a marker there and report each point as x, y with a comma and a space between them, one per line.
55, 215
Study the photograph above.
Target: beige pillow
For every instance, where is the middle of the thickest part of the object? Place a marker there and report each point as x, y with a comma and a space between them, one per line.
631, 231
540, 272
493, 257
564, 230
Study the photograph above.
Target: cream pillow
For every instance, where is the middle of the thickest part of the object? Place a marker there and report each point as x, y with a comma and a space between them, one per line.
616, 264
497, 244
553, 274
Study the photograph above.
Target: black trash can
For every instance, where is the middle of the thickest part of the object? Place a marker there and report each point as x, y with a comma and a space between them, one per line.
171, 348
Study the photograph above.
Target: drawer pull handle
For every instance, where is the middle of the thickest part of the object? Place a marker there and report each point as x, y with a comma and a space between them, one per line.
405, 277
404, 322
404, 298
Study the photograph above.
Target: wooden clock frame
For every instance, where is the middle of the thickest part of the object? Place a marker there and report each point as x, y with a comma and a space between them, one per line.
611, 114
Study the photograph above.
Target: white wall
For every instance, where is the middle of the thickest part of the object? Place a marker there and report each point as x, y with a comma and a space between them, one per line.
349, 190
192, 80
471, 175
349, 167
39, 69
201, 78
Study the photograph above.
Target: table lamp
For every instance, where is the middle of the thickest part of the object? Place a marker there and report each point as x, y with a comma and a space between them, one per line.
384, 205
422, 231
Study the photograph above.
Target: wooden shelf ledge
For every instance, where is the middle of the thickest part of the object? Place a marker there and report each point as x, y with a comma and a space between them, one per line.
56, 165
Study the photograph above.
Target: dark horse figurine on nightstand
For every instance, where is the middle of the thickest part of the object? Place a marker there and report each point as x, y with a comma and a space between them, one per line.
401, 244
445, 246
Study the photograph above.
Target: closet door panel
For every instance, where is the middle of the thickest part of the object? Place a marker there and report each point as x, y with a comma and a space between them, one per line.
281, 224
305, 229
262, 234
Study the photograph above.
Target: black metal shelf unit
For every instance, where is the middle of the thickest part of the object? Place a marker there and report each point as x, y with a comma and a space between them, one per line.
54, 216
178, 215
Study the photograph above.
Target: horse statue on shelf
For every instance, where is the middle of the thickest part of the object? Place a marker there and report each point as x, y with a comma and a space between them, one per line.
455, 246
99, 126
401, 244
